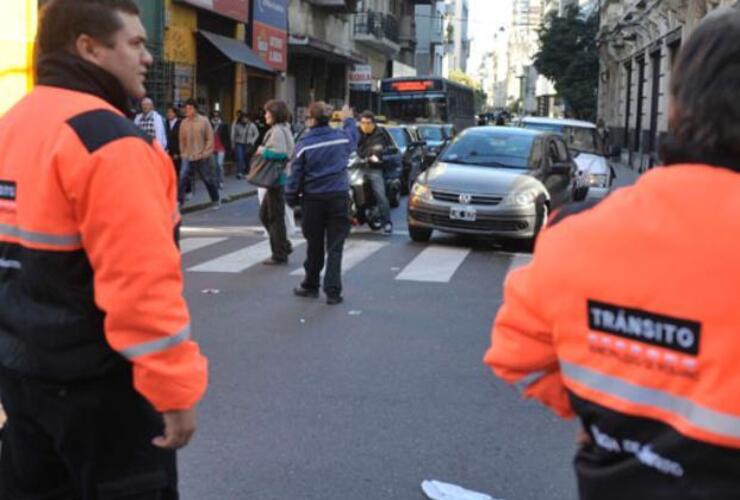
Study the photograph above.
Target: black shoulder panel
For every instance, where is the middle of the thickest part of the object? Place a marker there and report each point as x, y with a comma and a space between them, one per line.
570, 210
100, 127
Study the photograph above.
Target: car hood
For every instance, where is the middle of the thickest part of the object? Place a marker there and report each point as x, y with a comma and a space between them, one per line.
592, 164
476, 180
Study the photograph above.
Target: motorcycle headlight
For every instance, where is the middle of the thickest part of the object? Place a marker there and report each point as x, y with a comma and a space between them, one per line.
522, 198
598, 180
422, 192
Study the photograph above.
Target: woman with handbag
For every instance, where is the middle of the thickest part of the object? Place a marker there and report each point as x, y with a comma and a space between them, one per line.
276, 149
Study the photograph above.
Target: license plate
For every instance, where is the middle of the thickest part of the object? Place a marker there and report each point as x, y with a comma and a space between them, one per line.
463, 213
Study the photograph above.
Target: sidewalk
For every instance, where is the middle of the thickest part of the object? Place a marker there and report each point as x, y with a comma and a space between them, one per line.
233, 188
625, 175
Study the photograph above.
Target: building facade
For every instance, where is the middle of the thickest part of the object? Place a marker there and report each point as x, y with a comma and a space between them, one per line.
521, 80
639, 42
430, 36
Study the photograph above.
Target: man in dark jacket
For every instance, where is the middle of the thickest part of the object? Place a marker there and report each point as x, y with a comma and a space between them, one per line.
374, 144
319, 178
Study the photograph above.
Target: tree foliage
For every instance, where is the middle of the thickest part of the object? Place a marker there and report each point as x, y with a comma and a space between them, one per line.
481, 96
569, 57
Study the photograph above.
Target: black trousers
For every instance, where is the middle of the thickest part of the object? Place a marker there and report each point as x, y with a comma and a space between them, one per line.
326, 224
87, 441
272, 215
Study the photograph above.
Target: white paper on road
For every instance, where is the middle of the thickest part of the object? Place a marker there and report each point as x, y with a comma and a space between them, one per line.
355, 251
193, 244
436, 264
241, 260
437, 490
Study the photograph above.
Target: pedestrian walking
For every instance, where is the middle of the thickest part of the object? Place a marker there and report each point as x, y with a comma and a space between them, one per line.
151, 123
635, 332
277, 146
196, 149
172, 131
98, 374
244, 135
320, 184
221, 145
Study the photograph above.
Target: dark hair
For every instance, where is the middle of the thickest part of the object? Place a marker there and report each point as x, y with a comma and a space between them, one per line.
705, 92
63, 21
172, 107
368, 114
278, 110
321, 112
192, 102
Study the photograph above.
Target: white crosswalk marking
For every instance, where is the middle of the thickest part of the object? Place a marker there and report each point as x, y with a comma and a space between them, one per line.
355, 251
436, 264
193, 244
239, 261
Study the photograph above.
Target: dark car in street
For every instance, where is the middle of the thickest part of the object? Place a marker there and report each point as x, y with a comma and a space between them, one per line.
498, 182
436, 136
413, 150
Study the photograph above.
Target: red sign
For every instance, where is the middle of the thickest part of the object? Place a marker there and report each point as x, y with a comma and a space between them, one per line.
413, 86
272, 45
235, 9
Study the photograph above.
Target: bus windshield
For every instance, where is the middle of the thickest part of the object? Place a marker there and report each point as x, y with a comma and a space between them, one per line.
414, 109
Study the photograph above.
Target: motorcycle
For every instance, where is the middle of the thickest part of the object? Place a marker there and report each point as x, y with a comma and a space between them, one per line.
364, 206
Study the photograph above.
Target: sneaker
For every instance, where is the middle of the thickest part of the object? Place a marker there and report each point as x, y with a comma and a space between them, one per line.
188, 196
306, 293
217, 205
334, 300
388, 229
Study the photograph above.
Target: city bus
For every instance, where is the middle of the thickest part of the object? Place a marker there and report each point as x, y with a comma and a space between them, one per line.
428, 100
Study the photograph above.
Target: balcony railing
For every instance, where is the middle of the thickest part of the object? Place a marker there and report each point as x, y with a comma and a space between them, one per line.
378, 25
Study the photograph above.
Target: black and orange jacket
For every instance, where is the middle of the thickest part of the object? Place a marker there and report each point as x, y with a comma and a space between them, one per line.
628, 317
90, 278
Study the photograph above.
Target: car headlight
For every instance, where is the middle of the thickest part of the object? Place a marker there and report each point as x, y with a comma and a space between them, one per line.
598, 180
422, 192
522, 198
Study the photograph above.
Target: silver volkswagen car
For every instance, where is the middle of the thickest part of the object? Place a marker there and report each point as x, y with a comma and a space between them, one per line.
493, 181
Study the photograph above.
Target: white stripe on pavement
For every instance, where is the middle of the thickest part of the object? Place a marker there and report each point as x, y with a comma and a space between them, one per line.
241, 260
193, 244
436, 264
355, 251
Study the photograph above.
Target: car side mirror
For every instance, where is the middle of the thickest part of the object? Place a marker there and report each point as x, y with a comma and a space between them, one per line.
561, 169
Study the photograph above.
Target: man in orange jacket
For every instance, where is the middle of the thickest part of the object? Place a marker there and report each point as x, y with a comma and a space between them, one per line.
628, 314
98, 373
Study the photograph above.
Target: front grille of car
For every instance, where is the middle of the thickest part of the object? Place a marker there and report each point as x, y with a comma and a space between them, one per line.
444, 222
476, 199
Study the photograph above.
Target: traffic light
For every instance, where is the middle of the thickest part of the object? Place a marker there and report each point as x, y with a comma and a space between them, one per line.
18, 21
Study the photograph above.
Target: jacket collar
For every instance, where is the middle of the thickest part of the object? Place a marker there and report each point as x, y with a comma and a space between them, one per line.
64, 70
324, 130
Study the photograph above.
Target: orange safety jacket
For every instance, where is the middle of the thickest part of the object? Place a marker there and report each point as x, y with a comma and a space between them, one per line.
628, 316
90, 277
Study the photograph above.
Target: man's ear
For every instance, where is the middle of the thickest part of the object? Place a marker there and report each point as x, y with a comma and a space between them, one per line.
87, 48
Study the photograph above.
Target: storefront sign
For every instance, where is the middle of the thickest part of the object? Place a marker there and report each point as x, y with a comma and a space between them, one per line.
270, 32
361, 77
235, 9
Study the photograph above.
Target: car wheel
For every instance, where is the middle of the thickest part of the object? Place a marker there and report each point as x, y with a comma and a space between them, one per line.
420, 234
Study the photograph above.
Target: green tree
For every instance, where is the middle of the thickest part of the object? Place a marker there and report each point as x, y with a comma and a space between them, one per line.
481, 96
569, 57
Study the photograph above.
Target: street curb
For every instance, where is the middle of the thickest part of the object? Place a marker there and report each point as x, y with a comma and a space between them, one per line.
207, 204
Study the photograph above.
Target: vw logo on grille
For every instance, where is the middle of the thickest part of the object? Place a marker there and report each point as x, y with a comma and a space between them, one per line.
465, 199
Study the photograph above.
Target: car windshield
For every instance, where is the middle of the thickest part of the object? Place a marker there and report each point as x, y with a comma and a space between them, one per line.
579, 139
491, 150
432, 133
399, 136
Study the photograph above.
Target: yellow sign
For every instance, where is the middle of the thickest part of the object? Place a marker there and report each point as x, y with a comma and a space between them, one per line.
18, 20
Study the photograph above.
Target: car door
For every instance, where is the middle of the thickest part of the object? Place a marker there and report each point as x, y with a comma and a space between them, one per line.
558, 184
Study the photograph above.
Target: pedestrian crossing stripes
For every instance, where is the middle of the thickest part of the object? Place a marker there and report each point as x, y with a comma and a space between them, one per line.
433, 264
436, 264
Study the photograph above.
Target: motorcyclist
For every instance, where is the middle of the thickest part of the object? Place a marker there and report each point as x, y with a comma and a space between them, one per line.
375, 147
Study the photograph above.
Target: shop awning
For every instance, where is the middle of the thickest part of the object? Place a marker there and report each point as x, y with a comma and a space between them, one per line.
237, 51
310, 46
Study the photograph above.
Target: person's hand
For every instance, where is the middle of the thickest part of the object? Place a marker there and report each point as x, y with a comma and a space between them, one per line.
179, 427
260, 150
375, 159
583, 438
346, 112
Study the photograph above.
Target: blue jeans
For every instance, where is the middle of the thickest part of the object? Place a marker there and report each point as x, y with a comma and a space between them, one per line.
219, 175
377, 181
240, 152
202, 168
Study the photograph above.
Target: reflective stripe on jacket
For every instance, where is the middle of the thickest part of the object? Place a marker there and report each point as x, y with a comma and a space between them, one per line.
90, 278
627, 316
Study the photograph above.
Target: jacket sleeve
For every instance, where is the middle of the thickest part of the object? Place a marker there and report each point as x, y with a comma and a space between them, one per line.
522, 351
124, 197
209, 140
183, 140
294, 183
160, 131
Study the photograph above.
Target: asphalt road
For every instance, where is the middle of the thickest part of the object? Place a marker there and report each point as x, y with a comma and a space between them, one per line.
367, 399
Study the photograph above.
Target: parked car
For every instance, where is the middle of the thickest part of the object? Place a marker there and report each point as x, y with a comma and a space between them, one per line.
436, 136
500, 182
584, 142
412, 148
